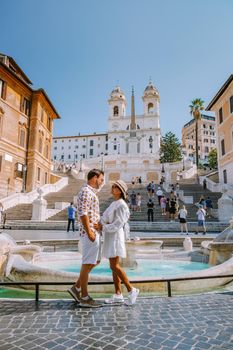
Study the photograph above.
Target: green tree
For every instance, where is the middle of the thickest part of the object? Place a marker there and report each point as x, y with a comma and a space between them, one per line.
213, 159
170, 150
197, 105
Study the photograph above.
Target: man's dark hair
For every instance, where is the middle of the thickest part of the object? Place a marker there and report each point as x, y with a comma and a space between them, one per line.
94, 172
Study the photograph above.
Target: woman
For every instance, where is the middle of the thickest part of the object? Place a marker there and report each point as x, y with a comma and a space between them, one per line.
113, 222
202, 201
167, 207
163, 205
138, 201
172, 210
1, 214
182, 215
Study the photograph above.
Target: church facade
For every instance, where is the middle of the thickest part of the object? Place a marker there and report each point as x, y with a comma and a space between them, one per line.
132, 135
129, 148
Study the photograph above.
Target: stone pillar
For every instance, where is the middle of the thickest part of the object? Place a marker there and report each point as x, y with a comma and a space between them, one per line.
39, 208
225, 208
188, 244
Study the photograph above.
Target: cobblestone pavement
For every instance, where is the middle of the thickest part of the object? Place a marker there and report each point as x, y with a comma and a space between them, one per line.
183, 323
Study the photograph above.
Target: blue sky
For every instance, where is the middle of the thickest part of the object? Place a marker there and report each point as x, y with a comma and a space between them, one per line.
78, 50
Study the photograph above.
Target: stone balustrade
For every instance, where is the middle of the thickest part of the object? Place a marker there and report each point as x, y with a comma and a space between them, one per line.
27, 198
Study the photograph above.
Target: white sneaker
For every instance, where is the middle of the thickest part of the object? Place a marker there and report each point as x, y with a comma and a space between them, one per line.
133, 296
116, 298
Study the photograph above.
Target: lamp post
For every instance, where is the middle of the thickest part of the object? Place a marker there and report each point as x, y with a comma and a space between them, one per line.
24, 178
81, 163
183, 162
74, 157
102, 162
150, 143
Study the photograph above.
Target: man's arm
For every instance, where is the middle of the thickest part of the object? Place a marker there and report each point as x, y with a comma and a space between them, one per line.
86, 224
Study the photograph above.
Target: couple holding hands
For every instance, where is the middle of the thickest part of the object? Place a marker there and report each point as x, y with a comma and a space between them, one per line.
111, 224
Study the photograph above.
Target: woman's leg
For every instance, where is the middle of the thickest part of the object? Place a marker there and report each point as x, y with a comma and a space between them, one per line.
120, 273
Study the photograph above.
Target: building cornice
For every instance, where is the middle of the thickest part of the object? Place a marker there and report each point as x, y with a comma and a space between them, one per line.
220, 92
78, 136
40, 91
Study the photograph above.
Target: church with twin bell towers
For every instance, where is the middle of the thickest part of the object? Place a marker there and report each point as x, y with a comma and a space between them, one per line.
134, 135
129, 148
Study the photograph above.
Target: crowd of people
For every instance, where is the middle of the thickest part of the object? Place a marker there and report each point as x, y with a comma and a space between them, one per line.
170, 205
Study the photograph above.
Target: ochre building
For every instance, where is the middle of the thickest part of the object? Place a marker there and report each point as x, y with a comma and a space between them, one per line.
222, 105
26, 131
206, 138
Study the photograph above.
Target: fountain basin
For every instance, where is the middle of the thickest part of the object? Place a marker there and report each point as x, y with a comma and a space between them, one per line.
44, 267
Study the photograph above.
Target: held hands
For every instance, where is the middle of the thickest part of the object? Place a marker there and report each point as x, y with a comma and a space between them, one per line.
98, 227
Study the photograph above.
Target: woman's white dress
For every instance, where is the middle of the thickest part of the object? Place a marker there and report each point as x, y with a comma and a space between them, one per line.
114, 221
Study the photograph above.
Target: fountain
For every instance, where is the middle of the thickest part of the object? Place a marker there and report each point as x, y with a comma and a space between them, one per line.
28, 263
221, 248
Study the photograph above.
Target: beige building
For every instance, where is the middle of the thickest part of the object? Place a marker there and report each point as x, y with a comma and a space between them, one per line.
206, 138
26, 126
222, 105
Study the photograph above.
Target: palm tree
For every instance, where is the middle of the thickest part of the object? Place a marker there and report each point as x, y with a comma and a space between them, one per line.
196, 107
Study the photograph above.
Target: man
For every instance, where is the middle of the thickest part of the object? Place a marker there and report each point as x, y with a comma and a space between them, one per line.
201, 213
88, 213
152, 188
148, 187
133, 203
71, 216
150, 210
204, 184
159, 194
209, 206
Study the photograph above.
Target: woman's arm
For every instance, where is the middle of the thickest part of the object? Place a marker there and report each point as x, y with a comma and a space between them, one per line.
120, 218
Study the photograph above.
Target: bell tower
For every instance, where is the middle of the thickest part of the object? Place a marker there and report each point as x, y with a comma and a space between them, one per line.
117, 103
151, 100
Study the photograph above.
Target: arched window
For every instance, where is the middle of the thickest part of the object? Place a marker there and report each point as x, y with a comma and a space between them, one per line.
115, 110
150, 107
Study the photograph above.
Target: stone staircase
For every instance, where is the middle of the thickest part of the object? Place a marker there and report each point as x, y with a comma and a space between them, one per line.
197, 191
24, 211
68, 193
105, 199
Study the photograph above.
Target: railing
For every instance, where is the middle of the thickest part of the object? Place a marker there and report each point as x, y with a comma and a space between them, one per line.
29, 197
167, 280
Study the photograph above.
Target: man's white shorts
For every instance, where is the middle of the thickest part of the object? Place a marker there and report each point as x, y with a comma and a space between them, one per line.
91, 251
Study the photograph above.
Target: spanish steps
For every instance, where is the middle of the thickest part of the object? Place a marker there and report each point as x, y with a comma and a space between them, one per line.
69, 192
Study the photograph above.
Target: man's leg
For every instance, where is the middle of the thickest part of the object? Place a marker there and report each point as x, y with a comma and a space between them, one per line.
68, 226
73, 225
83, 279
